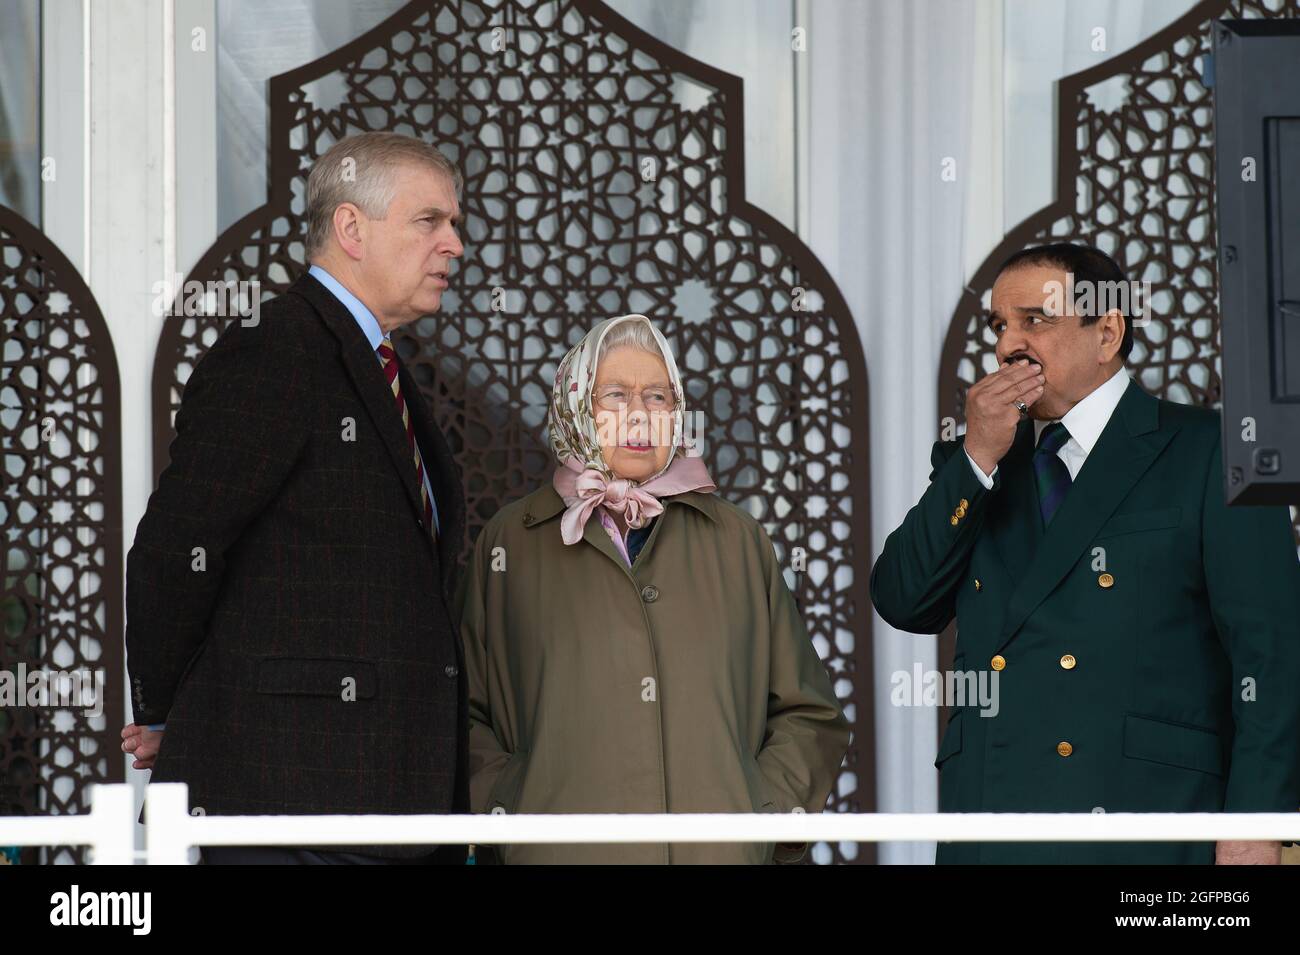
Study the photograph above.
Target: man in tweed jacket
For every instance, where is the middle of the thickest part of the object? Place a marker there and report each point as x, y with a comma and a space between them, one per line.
290, 638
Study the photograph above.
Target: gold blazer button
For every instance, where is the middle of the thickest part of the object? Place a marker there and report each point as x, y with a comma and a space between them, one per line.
1067, 662
963, 504
999, 662
1064, 749
961, 510
1106, 581
978, 585
953, 520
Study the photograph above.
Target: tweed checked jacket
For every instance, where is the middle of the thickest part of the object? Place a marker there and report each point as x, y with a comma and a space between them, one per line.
288, 614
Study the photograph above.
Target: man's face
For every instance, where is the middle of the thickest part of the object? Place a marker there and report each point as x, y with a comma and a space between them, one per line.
1074, 357
408, 254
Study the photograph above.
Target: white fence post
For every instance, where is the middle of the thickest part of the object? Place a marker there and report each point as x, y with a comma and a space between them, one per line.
112, 824
167, 824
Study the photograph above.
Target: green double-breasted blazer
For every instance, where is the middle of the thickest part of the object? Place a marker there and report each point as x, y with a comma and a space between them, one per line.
1146, 643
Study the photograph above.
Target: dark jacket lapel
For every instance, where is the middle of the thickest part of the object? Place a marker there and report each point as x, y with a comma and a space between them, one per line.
545, 503
368, 378
444, 475
1017, 527
1127, 446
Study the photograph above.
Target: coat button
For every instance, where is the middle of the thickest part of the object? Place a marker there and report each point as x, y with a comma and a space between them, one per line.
650, 593
1105, 581
953, 520
1064, 749
451, 670
1067, 662
961, 510
978, 585
528, 519
964, 504
999, 662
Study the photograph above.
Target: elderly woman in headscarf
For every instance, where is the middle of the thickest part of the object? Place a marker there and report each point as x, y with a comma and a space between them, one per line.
631, 645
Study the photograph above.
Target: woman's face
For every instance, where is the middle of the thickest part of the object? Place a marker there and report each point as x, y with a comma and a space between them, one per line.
633, 402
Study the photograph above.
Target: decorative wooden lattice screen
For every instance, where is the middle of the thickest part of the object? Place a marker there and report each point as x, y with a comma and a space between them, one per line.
60, 513
604, 174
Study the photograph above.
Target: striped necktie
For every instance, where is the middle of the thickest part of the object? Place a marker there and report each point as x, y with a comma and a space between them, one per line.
388, 358
1050, 472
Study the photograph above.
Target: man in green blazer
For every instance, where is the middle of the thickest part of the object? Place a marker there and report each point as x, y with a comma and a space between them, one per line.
1145, 637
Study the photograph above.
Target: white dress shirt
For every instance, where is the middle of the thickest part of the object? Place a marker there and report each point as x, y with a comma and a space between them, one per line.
1085, 422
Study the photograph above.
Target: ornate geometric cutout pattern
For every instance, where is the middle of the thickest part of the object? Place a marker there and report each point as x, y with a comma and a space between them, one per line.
60, 516
603, 175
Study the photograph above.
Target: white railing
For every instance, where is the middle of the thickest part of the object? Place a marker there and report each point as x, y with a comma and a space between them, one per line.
108, 828
170, 830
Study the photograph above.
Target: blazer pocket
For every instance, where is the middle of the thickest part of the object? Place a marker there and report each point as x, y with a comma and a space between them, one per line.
1174, 744
1141, 521
317, 676
951, 743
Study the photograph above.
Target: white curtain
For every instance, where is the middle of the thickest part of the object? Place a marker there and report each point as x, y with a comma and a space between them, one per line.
255, 43
896, 157
20, 83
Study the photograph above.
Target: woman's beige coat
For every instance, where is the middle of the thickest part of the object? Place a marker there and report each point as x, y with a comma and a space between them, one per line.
686, 683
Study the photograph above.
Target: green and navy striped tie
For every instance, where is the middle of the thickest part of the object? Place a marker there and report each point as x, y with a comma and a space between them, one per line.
1050, 472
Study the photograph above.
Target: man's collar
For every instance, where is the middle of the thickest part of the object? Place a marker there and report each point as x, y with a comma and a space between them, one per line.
1087, 419
365, 318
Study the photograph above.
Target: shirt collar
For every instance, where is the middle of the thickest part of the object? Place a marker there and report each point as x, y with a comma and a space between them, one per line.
1087, 419
365, 318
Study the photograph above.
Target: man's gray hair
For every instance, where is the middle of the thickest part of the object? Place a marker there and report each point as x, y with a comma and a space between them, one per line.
360, 170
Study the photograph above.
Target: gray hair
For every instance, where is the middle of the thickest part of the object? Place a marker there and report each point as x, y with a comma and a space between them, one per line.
359, 170
631, 334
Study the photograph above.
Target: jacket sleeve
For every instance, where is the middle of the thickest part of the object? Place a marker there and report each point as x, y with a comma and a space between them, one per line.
915, 578
807, 734
487, 755
239, 431
1253, 580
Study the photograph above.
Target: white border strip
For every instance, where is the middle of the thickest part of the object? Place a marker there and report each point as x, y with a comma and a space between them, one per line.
172, 831
169, 139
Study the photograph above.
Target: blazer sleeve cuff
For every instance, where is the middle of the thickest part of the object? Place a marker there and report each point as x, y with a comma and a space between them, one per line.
985, 479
